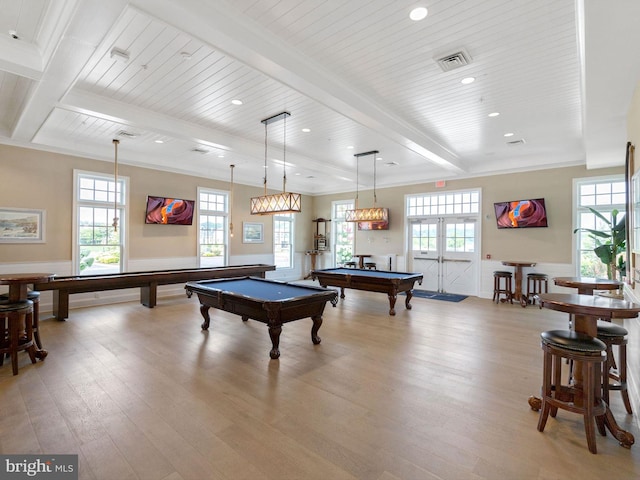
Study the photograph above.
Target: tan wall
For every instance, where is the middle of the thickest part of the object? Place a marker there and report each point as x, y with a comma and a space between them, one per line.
546, 245
41, 180
632, 325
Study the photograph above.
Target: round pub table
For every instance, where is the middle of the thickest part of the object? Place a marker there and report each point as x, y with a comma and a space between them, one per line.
517, 294
586, 310
18, 290
586, 285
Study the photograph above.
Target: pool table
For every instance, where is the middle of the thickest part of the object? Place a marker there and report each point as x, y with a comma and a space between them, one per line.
267, 301
390, 283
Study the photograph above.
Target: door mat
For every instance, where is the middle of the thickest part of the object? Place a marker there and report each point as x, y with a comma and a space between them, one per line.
447, 297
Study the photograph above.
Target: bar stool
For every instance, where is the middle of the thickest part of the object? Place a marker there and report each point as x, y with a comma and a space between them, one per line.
612, 334
17, 331
590, 352
536, 282
35, 298
350, 264
370, 265
499, 278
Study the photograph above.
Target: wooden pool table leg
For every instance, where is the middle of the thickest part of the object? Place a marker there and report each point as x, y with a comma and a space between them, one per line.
317, 323
392, 302
274, 333
204, 310
408, 299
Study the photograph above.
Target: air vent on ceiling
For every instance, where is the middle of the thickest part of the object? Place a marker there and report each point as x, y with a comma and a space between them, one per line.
516, 142
200, 150
391, 164
125, 133
454, 60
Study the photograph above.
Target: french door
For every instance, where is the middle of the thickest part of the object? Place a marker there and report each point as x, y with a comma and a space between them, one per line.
446, 251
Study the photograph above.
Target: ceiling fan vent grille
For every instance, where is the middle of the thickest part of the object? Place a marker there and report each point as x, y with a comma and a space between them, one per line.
454, 60
516, 142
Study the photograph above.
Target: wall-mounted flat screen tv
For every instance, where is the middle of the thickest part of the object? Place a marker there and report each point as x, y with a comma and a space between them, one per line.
169, 211
521, 213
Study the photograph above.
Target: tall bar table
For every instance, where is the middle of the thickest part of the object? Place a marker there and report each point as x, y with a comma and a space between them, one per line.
518, 279
19, 288
586, 310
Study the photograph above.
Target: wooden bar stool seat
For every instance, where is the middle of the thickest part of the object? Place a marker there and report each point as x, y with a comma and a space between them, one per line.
370, 265
615, 376
17, 331
590, 352
502, 286
35, 298
350, 264
536, 283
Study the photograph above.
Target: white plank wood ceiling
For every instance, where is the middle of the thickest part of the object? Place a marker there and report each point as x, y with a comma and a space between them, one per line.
358, 74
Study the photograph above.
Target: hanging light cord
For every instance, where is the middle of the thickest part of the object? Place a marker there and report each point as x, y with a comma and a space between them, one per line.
374, 181
231, 204
115, 175
357, 176
265, 158
284, 156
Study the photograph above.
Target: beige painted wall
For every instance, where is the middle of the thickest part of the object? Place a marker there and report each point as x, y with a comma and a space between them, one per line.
51, 189
633, 325
545, 245
41, 180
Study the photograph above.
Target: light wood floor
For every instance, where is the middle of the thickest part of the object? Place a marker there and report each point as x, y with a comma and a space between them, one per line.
437, 392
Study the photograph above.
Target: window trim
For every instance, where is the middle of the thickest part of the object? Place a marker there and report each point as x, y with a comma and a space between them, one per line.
576, 209
227, 196
124, 225
292, 220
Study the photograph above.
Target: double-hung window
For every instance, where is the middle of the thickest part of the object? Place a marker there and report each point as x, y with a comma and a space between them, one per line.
213, 224
603, 195
343, 232
283, 240
99, 246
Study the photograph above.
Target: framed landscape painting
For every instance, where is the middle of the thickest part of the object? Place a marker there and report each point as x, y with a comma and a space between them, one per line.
21, 225
252, 232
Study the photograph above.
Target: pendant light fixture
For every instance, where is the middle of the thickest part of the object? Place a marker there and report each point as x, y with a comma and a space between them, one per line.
285, 202
231, 203
374, 214
115, 177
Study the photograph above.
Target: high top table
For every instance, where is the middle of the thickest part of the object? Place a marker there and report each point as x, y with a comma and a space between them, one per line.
586, 310
18, 290
586, 285
361, 258
518, 279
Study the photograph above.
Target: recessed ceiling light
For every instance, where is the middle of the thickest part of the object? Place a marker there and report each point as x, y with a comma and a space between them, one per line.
508, 134
236, 101
418, 14
306, 130
220, 156
159, 141
494, 114
468, 80
350, 147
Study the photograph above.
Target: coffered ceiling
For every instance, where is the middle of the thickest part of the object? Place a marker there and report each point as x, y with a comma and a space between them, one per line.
358, 74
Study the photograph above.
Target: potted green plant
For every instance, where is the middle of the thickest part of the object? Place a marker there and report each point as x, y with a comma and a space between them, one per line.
611, 243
